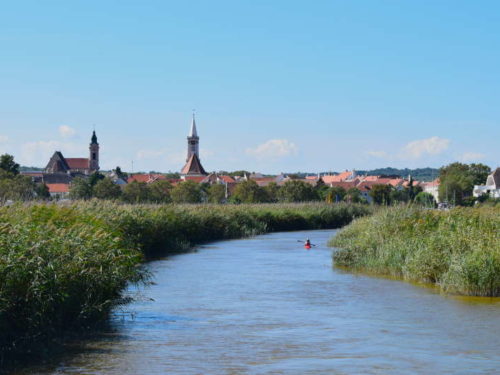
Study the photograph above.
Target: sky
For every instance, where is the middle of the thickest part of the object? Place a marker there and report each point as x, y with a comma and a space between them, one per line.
277, 86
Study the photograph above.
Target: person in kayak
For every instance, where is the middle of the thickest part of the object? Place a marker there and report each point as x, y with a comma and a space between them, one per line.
307, 243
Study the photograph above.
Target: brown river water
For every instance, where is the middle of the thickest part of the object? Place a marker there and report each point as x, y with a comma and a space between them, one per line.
265, 305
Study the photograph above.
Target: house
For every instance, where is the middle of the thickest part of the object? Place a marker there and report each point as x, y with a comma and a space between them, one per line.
432, 188
492, 186
58, 191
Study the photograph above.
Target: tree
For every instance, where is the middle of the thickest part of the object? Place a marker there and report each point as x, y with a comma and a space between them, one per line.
297, 191
16, 188
335, 194
272, 192
322, 190
95, 178
120, 174
397, 195
479, 173
136, 192
42, 191
186, 192
457, 181
353, 195
248, 192
8, 164
216, 193
159, 191
425, 199
381, 194
107, 189
80, 188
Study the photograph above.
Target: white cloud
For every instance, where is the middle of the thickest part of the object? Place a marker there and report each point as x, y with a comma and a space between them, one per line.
378, 154
468, 157
422, 147
273, 149
66, 131
38, 153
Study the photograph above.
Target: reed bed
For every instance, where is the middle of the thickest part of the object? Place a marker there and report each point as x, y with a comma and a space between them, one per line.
458, 250
63, 268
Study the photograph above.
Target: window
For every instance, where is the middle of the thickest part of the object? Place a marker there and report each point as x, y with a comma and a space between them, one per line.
94, 156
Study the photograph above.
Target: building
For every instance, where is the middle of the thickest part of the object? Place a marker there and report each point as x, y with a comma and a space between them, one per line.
492, 186
432, 188
193, 165
75, 166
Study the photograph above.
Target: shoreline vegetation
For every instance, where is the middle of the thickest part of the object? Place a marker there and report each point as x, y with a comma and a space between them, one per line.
457, 250
64, 267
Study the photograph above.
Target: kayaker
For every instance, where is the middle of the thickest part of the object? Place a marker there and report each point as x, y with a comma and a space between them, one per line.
307, 243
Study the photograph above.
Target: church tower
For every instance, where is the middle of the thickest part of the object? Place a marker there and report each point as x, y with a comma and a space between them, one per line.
193, 141
193, 165
94, 154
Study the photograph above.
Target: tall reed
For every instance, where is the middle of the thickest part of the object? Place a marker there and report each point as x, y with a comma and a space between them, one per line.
459, 250
64, 267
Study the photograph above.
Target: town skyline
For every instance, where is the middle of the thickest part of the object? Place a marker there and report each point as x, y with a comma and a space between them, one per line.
275, 88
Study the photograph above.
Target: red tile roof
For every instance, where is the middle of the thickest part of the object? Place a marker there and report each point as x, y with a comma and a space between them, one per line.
58, 188
227, 179
78, 163
145, 177
371, 178
343, 184
198, 179
329, 179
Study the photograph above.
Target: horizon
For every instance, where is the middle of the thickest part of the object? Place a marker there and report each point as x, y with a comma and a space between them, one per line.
276, 87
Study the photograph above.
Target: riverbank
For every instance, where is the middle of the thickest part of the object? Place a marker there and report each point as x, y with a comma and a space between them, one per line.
63, 268
458, 250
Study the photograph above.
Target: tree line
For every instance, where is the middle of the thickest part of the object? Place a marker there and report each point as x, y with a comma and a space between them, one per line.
457, 182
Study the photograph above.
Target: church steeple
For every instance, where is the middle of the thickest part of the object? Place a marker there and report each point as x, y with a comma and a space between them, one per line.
94, 153
193, 165
193, 132
193, 141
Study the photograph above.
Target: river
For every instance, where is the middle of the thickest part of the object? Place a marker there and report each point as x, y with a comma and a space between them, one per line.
265, 305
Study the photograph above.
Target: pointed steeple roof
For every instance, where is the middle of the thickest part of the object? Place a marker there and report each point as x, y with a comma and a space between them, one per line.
193, 133
94, 139
193, 167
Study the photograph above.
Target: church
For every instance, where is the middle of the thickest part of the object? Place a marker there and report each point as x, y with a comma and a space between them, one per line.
193, 167
75, 166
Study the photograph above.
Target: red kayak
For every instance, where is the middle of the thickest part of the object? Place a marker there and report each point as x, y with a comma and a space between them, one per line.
307, 247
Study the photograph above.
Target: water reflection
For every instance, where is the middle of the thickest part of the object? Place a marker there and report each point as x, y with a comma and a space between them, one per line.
267, 306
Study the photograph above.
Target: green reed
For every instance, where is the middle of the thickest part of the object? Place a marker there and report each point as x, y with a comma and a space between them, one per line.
458, 250
65, 267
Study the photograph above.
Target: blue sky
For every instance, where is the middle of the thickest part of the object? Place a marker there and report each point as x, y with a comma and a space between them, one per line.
277, 85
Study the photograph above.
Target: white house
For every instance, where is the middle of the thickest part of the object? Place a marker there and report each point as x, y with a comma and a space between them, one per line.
492, 186
432, 188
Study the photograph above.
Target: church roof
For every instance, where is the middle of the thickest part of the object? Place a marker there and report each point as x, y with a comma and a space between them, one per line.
193, 167
57, 163
78, 163
193, 133
93, 140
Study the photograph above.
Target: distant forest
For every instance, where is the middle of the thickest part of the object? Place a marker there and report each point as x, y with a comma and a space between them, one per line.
419, 174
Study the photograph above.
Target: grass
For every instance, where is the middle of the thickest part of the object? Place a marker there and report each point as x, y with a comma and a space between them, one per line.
63, 268
458, 250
